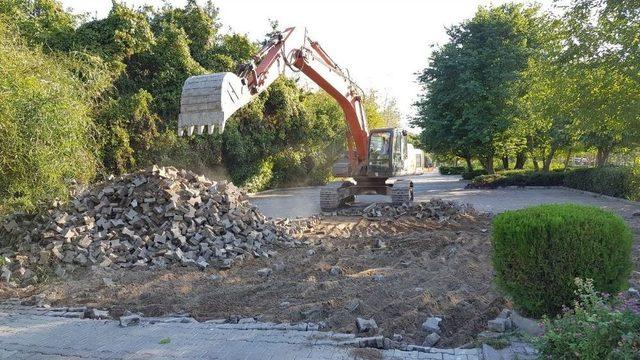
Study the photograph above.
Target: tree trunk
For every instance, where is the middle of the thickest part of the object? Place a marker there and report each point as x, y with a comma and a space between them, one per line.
546, 162
536, 167
602, 156
568, 158
521, 158
505, 162
467, 158
487, 162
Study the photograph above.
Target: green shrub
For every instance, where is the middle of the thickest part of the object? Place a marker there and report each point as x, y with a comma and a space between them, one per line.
45, 128
538, 251
451, 170
469, 175
618, 181
518, 178
598, 327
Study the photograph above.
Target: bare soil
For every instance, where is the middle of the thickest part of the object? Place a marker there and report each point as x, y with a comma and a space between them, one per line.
428, 269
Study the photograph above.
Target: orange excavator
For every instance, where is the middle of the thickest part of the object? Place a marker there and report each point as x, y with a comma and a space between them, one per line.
373, 157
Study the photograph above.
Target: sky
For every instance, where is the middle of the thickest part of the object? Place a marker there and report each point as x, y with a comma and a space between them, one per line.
383, 43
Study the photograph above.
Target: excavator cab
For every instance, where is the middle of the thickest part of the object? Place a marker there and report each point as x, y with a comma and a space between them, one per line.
387, 152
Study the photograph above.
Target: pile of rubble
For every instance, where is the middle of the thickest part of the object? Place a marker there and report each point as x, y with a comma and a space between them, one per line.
146, 219
436, 209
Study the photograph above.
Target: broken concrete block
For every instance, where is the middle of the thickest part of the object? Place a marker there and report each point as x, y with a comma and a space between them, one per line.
366, 326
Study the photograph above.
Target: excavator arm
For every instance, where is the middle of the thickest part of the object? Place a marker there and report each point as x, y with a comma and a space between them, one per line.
208, 101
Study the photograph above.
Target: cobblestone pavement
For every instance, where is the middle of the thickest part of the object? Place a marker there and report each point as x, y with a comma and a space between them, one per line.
305, 201
29, 334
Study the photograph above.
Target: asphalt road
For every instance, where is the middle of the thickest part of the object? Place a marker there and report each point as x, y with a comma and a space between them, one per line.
304, 202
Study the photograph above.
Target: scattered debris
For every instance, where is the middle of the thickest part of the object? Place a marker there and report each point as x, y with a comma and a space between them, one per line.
436, 209
145, 219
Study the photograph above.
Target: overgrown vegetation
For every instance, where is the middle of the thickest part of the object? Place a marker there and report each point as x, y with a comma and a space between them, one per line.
539, 251
45, 125
82, 98
518, 84
598, 326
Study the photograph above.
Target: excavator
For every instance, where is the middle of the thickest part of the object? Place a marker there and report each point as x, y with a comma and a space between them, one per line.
373, 157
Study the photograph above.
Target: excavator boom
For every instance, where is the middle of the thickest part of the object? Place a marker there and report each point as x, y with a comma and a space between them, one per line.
208, 101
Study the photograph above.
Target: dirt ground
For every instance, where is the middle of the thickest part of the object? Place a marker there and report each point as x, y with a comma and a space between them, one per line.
427, 269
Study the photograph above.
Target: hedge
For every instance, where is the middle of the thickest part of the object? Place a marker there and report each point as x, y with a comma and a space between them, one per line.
539, 251
469, 175
519, 178
617, 181
451, 170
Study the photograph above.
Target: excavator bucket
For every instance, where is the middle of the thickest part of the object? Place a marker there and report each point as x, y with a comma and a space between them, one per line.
209, 100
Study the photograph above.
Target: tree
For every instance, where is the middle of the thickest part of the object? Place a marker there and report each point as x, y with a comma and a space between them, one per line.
602, 56
472, 86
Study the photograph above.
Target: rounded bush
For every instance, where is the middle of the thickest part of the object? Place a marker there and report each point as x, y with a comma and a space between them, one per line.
539, 251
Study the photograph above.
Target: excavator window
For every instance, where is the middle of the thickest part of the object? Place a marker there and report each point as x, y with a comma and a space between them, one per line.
380, 149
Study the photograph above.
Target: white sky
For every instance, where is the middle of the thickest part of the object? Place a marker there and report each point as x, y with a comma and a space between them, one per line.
383, 43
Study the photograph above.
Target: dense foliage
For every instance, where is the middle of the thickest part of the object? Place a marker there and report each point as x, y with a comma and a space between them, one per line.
100, 96
538, 251
45, 127
617, 181
515, 82
598, 326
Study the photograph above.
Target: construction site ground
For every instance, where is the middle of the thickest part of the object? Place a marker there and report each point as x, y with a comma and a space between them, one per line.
395, 271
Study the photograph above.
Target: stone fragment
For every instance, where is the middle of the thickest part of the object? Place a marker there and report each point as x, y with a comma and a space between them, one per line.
432, 324
130, 320
431, 340
265, 272
335, 270
97, 314
499, 325
366, 326
352, 305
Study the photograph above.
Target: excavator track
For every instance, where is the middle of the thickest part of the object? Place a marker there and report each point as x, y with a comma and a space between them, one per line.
334, 194
401, 192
